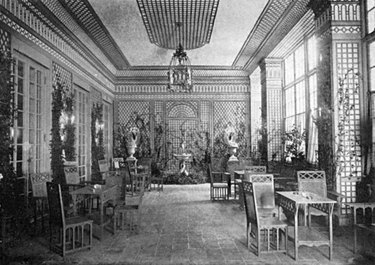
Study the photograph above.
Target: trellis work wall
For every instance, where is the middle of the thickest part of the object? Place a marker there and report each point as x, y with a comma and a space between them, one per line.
202, 115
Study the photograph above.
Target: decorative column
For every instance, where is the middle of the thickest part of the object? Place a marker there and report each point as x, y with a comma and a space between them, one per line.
338, 31
271, 91
255, 109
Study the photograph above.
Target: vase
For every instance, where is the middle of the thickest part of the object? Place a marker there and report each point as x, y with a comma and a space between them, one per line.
131, 151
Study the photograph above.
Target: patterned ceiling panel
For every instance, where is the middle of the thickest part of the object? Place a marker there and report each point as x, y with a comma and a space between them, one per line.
85, 15
172, 22
277, 19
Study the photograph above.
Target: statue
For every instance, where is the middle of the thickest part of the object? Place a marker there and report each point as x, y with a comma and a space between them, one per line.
230, 139
132, 139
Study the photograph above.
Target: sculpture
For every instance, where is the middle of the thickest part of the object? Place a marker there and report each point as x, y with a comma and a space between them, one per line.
132, 139
230, 139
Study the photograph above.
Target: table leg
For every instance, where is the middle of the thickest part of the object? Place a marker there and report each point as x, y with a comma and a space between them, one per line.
296, 232
101, 214
330, 231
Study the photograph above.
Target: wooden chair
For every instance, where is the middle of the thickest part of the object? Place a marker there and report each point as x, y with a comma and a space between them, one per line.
39, 201
144, 166
248, 170
363, 214
104, 169
218, 188
270, 228
129, 213
263, 184
315, 182
231, 167
66, 234
72, 183
118, 163
157, 180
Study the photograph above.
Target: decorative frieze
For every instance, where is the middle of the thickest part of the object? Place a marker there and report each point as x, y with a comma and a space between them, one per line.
193, 96
214, 88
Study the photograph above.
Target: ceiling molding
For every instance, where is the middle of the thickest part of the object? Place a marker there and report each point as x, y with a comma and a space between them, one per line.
86, 17
172, 22
276, 20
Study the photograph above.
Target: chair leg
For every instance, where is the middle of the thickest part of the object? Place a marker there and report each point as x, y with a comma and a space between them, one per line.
355, 240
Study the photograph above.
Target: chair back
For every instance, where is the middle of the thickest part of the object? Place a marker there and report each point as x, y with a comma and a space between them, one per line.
71, 175
118, 162
218, 164
312, 181
210, 175
103, 166
55, 203
250, 170
245, 162
38, 184
250, 203
117, 178
146, 163
263, 186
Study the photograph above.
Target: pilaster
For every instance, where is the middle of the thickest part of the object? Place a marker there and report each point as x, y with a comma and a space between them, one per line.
338, 31
271, 91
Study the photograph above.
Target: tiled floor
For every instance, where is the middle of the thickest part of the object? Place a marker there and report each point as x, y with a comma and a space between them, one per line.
182, 226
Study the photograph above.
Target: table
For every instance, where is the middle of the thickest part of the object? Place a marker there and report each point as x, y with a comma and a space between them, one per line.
292, 201
366, 224
103, 193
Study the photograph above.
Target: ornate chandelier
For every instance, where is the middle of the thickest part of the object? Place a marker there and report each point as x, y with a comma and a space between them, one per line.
179, 72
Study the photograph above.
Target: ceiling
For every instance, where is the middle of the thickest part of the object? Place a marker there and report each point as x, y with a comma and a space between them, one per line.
232, 25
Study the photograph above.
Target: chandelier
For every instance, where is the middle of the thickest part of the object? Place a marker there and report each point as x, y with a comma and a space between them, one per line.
179, 72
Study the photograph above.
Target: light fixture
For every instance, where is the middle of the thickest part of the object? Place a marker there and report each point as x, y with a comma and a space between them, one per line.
179, 72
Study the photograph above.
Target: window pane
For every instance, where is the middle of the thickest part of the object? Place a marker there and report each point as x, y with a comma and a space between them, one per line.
313, 92
370, 4
311, 49
300, 61
371, 21
20, 85
372, 80
289, 102
300, 97
372, 54
32, 75
20, 69
289, 69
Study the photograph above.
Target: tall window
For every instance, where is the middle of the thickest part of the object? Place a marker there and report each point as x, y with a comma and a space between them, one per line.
300, 92
30, 87
294, 90
82, 129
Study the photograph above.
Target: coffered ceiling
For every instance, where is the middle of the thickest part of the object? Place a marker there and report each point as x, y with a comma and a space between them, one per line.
212, 31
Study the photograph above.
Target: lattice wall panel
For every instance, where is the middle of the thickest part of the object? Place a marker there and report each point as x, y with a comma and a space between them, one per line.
205, 115
182, 109
274, 119
4, 40
60, 73
351, 165
226, 113
127, 110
